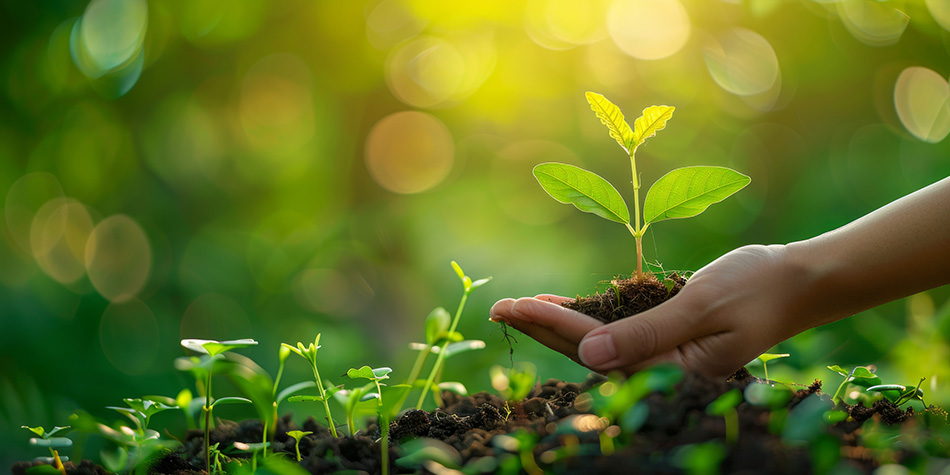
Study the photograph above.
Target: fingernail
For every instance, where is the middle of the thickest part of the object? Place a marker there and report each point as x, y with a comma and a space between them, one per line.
597, 350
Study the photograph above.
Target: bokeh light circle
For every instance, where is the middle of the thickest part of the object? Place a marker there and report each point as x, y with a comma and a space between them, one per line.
649, 29
391, 22
118, 258
922, 99
24, 199
742, 62
409, 152
563, 24
873, 22
58, 238
425, 72
216, 317
112, 32
940, 11
128, 334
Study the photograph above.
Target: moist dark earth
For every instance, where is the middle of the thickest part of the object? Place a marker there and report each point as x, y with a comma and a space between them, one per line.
627, 297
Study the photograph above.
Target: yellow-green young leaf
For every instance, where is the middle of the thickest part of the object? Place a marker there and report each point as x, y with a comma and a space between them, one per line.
686, 192
583, 189
610, 115
652, 120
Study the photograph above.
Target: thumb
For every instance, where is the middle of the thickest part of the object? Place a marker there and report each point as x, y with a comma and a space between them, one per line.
637, 341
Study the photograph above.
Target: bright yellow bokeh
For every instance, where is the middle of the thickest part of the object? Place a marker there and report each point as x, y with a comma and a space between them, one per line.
649, 29
922, 99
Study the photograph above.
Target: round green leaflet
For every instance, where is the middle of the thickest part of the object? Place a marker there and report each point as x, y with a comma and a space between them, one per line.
585, 190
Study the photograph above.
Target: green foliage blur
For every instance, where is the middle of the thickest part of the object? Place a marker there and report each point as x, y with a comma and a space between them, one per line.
225, 169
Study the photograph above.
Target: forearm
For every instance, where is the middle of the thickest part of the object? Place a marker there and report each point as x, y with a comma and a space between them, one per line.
895, 251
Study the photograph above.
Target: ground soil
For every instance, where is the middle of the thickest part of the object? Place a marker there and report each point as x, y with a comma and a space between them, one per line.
627, 297
468, 425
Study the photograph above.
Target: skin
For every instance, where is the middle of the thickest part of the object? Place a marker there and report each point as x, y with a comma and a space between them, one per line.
754, 297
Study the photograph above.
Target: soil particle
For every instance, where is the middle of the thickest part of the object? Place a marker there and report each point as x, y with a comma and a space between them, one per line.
628, 297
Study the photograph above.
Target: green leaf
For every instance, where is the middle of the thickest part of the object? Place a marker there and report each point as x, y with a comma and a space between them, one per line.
374, 374
480, 282
52, 442
839, 370
611, 116
40, 431
230, 400
305, 398
214, 347
298, 434
437, 323
583, 189
294, 388
686, 192
862, 376
462, 346
724, 403
766, 357
649, 123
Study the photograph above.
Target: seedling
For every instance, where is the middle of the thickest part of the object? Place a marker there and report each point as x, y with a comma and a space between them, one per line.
725, 406
766, 357
375, 375
514, 384
448, 334
309, 353
859, 375
899, 394
681, 193
47, 440
270, 421
213, 350
298, 436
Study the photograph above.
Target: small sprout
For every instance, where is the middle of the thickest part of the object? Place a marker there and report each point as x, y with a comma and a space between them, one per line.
373, 374
298, 435
309, 353
725, 405
766, 357
47, 440
681, 193
448, 336
514, 384
212, 349
859, 375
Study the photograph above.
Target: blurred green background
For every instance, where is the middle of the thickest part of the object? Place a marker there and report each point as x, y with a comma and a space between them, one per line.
232, 169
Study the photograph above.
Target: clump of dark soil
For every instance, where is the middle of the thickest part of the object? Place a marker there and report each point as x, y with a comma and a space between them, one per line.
628, 297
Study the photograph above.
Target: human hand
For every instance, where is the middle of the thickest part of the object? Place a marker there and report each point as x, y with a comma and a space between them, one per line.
729, 312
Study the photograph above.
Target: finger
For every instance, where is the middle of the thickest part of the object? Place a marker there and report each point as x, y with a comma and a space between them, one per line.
501, 311
648, 336
570, 324
553, 298
548, 338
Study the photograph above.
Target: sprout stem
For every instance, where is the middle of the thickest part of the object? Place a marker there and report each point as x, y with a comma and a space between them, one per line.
441, 357
323, 395
637, 231
208, 422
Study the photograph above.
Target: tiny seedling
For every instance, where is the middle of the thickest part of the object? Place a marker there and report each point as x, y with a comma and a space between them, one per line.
438, 330
766, 357
859, 375
47, 440
725, 406
681, 193
298, 435
309, 353
900, 394
375, 375
514, 384
212, 350
270, 421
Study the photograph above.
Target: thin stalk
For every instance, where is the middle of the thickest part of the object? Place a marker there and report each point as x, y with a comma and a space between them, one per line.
384, 442
637, 230
208, 424
323, 395
417, 366
441, 357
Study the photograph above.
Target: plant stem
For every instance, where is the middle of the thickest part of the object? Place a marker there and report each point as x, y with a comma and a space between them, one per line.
637, 231
384, 441
441, 357
323, 395
208, 423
